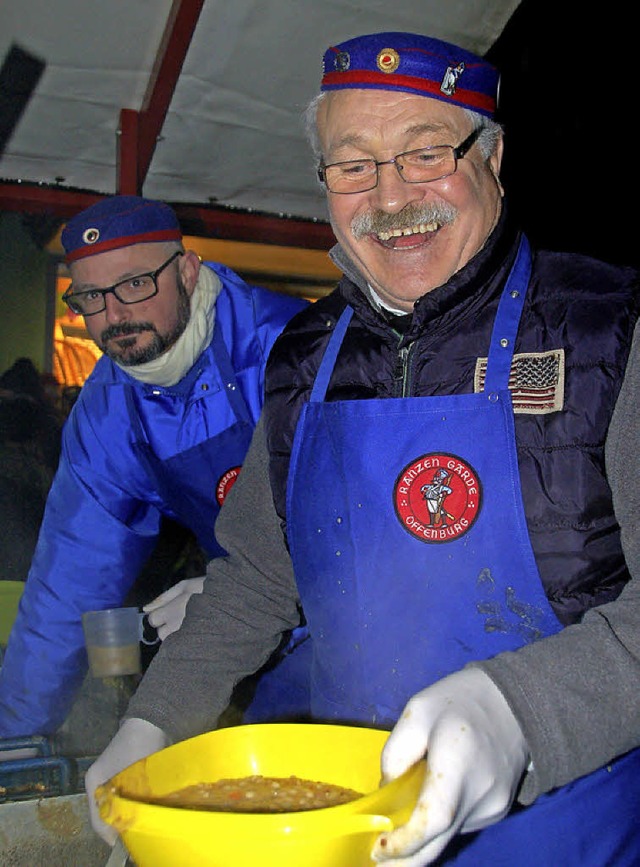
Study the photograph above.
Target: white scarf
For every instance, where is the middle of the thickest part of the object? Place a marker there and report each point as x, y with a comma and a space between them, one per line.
171, 366
377, 301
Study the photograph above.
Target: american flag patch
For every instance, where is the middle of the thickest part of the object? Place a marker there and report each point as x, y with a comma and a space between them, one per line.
536, 381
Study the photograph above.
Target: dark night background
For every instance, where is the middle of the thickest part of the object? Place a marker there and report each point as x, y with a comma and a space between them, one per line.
568, 104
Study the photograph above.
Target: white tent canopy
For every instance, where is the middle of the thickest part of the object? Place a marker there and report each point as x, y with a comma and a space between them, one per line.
232, 132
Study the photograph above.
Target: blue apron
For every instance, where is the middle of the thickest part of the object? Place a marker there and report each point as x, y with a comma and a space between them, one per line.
412, 557
194, 483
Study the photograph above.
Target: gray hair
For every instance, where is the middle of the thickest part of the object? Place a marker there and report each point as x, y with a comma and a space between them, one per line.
487, 140
310, 118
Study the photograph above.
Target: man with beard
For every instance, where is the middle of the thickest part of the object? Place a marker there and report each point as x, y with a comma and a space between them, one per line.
504, 647
159, 431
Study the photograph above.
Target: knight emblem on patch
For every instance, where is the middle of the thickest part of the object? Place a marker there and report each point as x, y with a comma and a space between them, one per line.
437, 497
536, 381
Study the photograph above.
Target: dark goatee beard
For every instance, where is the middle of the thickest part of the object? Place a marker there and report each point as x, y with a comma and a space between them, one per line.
159, 342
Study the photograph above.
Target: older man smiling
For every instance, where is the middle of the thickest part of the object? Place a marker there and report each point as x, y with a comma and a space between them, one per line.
430, 485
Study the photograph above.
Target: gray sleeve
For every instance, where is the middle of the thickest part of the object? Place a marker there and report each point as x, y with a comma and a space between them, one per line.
231, 629
577, 694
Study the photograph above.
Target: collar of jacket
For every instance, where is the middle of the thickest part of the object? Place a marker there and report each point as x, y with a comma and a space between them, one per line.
483, 274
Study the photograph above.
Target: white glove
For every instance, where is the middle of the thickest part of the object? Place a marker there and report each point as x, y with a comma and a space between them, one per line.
476, 755
135, 739
166, 612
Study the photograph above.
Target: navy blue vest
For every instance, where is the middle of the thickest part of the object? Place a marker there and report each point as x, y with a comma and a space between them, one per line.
584, 309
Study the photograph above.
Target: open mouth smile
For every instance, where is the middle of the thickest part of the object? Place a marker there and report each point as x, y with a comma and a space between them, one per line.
407, 237
420, 229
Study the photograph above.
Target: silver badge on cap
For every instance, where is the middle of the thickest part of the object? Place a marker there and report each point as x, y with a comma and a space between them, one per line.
450, 80
90, 236
342, 61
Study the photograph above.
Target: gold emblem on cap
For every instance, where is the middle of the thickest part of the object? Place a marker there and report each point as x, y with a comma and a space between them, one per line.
388, 60
90, 236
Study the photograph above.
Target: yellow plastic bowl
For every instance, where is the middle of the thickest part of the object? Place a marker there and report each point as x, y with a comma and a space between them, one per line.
341, 836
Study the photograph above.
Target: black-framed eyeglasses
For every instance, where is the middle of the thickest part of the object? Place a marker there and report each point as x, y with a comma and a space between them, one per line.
419, 166
129, 291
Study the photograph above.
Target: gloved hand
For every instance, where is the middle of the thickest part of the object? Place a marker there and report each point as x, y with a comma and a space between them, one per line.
476, 755
135, 739
166, 612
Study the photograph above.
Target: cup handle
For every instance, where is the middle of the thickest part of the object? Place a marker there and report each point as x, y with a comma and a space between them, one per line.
144, 625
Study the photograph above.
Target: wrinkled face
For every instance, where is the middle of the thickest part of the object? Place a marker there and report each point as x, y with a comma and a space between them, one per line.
443, 223
136, 333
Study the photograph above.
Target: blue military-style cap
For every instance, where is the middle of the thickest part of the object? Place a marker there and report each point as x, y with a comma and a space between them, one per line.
416, 64
118, 221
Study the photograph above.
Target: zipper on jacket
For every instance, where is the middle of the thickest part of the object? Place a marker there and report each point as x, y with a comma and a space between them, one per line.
402, 373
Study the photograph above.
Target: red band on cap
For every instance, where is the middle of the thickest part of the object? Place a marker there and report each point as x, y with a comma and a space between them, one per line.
352, 78
124, 241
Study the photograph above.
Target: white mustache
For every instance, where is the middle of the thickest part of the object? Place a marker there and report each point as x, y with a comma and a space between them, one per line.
375, 222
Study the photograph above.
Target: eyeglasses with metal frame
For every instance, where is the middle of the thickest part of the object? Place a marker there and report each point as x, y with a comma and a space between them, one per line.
420, 166
129, 291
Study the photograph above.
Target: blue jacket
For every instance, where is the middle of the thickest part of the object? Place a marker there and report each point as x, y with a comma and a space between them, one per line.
132, 453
